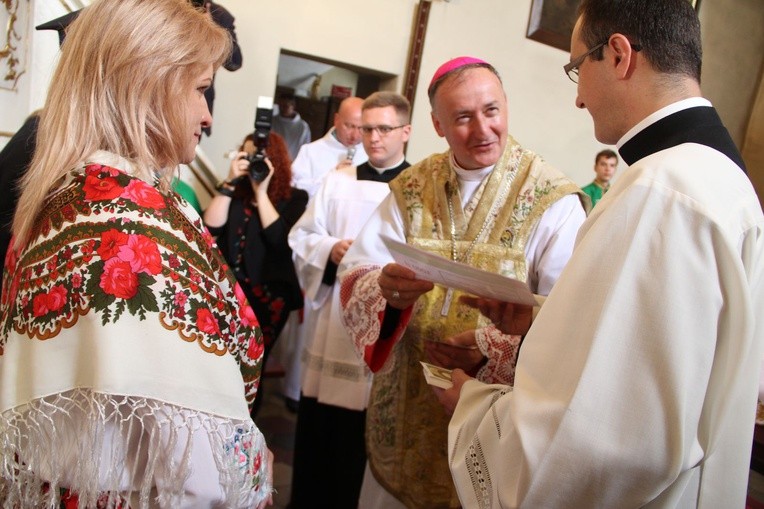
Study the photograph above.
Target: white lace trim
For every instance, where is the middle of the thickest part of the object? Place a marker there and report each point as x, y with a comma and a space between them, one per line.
501, 350
362, 302
128, 447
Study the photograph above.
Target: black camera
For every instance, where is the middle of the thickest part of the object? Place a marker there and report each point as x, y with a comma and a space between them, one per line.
258, 169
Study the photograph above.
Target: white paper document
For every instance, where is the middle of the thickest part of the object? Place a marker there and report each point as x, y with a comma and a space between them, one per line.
442, 271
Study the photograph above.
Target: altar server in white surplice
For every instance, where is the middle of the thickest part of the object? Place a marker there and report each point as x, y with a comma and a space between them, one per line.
335, 380
636, 388
338, 148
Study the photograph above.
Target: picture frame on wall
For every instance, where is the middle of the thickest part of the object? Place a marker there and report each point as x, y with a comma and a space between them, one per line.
551, 21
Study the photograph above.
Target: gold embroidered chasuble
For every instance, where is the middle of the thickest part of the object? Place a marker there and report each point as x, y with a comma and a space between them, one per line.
406, 430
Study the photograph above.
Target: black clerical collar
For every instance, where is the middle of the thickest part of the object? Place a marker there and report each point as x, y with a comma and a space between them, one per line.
700, 124
366, 172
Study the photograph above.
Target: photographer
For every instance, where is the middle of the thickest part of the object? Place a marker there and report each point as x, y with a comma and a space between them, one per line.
251, 219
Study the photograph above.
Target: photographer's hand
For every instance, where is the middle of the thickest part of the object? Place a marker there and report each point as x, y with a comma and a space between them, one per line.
239, 167
216, 213
266, 210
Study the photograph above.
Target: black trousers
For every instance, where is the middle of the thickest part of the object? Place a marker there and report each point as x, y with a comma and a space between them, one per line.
329, 456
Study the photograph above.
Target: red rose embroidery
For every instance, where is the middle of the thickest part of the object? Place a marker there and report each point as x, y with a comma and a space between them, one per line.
206, 322
101, 189
142, 254
11, 256
111, 241
143, 195
53, 300
57, 297
118, 279
255, 350
240, 297
247, 315
40, 305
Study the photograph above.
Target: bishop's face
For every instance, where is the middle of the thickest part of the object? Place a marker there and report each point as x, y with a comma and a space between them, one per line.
470, 111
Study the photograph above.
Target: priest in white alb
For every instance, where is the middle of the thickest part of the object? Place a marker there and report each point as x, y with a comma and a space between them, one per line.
636, 388
335, 381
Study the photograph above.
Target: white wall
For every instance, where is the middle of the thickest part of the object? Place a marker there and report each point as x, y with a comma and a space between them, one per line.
14, 95
375, 34
366, 33
40, 56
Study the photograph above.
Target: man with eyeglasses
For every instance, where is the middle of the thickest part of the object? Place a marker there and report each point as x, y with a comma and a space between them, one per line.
336, 382
487, 202
636, 388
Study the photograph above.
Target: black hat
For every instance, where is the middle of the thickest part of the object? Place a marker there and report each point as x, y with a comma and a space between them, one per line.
60, 24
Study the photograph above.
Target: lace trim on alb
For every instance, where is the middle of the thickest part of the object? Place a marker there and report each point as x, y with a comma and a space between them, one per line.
336, 369
501, 350
479, 474
362, 302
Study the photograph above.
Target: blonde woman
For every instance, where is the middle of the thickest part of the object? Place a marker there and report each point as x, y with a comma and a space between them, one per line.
128, 353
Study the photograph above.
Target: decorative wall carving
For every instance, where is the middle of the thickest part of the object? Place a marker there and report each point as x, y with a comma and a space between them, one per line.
14, 16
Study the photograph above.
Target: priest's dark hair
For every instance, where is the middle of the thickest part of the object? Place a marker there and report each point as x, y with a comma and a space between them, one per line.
667, 30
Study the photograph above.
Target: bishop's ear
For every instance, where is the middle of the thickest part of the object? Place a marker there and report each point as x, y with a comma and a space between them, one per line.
436, 124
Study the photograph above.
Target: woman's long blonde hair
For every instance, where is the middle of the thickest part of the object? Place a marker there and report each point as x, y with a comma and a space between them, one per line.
120, 86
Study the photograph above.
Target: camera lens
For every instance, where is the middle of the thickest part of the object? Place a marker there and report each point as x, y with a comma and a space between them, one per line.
258, 168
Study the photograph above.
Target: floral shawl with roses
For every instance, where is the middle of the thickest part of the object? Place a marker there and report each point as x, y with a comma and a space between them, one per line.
128, 354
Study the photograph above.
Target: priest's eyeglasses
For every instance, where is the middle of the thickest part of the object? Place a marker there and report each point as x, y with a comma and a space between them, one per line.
382, 130
571, 68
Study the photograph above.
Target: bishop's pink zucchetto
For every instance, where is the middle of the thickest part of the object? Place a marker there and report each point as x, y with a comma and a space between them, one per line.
451, 65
